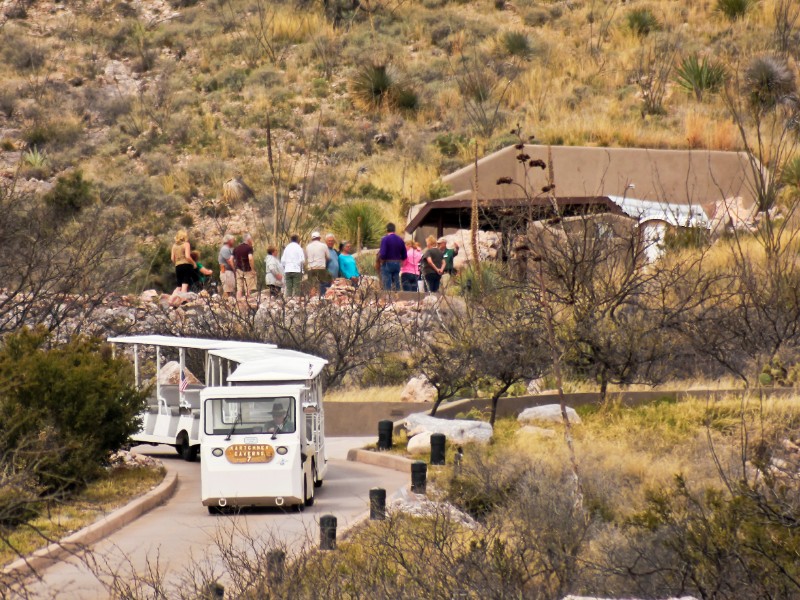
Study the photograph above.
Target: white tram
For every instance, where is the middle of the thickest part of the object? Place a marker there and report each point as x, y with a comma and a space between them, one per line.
257, 420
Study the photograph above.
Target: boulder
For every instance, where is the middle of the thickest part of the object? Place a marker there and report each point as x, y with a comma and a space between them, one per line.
547, 413
535, 386
149, 296
456, 431
420, 443
540, 432
170, 374
418, 389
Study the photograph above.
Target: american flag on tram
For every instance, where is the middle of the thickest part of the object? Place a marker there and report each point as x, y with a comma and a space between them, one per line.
184, 382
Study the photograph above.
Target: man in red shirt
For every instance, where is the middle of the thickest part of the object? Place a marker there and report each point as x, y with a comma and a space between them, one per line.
245, 268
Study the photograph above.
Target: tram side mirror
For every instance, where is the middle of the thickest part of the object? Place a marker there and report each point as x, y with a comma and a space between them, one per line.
310, 410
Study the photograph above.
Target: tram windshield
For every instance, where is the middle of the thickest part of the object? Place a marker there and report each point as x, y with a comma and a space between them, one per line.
228, 416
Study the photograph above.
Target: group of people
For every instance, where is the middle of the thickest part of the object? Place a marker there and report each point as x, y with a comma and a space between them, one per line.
401, 264
322, 262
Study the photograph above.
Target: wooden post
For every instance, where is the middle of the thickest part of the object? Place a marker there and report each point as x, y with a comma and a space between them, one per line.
473, 224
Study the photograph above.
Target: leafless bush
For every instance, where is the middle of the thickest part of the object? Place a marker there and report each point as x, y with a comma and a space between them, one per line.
652, 74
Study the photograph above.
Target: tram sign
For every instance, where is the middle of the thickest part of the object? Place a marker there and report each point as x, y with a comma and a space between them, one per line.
249, 453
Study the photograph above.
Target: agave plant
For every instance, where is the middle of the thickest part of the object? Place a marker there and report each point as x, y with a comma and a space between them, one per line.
700, 76
769, 81
35, 159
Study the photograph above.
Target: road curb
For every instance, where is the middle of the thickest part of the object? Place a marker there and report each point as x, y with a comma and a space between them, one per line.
114, 521
380, 459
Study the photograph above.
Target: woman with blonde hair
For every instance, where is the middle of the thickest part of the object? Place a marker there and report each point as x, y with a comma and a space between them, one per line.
432, 265
185, 265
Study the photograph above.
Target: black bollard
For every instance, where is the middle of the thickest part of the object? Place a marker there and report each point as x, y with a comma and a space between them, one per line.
276, 563
327, 532
437, 448
377, 504
419, 475
385, 431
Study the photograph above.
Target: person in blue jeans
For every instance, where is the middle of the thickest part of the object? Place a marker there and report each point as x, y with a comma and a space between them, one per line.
391, 256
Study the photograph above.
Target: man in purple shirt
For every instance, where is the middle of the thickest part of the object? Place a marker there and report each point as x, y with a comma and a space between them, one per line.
391, 256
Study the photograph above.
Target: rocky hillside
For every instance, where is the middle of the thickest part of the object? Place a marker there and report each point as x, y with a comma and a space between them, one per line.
319, 112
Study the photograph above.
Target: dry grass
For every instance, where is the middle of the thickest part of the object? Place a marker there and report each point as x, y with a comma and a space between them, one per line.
624, 452
369, 394
117, 488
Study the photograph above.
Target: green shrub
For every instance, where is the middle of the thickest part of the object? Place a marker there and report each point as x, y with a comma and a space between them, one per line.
75, 400
372, 224
71, 194
516, 43
449, 143
642, 21
700, 76
734, 9
371, 191
22, 53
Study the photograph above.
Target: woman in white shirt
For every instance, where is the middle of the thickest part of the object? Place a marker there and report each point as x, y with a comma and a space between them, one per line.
274, 278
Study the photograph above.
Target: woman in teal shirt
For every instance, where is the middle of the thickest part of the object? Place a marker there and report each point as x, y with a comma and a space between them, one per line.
347, 264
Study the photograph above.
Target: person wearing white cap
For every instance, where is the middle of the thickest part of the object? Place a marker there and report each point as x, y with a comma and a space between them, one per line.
317, 254
292, 262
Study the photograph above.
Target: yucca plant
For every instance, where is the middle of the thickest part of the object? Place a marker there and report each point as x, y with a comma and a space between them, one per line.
360, 218
378, 86
516, 43
642, 21
700, 76
769, 81
734, 9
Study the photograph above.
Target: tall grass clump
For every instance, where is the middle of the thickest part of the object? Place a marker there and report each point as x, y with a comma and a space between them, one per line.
700, 76
769, 81
642, 21
378, 86
734, 9
516, 43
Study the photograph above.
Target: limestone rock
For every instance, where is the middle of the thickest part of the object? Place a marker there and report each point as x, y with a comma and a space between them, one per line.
540, 432
535, 386
547, 413
170, 374
149, 296
418, 389
420, 443
456, 431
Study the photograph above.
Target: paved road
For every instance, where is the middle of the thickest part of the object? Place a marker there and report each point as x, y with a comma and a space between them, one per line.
182, 528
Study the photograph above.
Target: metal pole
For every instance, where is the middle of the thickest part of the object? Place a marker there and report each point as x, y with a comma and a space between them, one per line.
136, 366
182, 356
158, 376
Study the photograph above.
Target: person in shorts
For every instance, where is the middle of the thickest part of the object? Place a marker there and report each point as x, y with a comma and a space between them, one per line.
245, 263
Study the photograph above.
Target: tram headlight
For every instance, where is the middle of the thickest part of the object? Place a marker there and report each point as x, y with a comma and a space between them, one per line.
281, 450
217, 452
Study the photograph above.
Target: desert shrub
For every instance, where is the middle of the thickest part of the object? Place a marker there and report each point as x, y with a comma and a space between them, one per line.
71, 194
378, 86
63, 131
437, 189
76, 398
642, 21
734, 9
372, 223
391, 369
449, 143
516, 43
8, 102
371, 191
769, 81
700, 76
36, 164
536, 16
22, 53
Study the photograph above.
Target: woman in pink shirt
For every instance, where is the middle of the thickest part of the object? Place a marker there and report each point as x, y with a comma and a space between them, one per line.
409, 270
